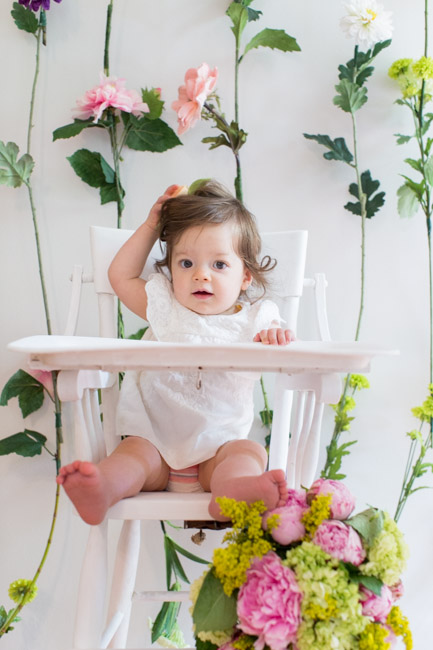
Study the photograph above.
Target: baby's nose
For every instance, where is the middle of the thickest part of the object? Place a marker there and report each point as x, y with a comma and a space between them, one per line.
202, 273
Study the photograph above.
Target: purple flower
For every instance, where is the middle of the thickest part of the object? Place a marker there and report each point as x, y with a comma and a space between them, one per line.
269, 603
35, 5
343, 502
340, 541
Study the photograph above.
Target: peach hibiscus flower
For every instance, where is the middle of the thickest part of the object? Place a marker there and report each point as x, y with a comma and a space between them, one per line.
199, 83
110, 92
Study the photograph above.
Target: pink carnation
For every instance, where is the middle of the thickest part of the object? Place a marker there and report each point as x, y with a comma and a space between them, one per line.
110, 92
290, 527
340, 541
45, 378
377, 607
397, 590
269, 603
343, 502
199, 83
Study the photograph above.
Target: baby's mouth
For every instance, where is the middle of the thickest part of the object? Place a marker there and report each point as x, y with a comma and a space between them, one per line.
202, 294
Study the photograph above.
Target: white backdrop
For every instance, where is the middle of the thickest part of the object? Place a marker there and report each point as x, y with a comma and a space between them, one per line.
287, 184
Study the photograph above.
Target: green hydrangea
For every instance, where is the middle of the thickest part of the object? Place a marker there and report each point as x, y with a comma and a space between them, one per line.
331, 611
400, 67
22, 591
359, 382
387, 555
423, 68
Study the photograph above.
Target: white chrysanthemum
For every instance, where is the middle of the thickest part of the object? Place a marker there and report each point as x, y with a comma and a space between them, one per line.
367, 22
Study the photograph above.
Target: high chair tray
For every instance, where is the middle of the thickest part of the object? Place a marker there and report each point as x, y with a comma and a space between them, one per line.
95, 353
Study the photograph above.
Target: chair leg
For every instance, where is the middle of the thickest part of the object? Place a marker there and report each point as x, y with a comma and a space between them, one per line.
122, 588
310, 457
91, 594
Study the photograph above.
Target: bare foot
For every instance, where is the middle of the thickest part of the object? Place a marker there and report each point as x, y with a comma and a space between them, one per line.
270, 487
85, 486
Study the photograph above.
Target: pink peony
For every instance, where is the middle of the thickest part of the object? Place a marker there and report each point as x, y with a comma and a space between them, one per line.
340, 541
199, 83
269, 603
343, 502
110, 92
290, 527
45, 378
377, 607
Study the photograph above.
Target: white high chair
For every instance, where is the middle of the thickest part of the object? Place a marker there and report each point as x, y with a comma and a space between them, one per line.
307, 373
93, 441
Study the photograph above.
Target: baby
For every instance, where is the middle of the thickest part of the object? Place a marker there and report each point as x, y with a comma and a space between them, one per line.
178, 428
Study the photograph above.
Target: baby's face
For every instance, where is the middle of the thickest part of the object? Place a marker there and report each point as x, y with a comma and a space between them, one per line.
207, 273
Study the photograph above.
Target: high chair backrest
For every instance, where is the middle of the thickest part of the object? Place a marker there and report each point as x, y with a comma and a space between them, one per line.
286, 280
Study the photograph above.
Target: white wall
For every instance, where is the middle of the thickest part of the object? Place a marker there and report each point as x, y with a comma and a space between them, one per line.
287, 184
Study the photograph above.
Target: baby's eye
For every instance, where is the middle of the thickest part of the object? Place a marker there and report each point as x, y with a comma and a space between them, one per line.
220, 265
185, 264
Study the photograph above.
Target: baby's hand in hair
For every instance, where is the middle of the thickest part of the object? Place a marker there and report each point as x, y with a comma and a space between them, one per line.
174, 190
274, 336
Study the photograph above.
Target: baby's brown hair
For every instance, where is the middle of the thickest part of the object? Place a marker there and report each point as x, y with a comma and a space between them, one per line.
211, 204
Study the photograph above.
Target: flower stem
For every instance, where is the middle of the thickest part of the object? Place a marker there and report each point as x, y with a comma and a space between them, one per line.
107, 39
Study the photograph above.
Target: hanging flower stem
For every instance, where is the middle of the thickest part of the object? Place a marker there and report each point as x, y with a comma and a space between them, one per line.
107, 39
341, 406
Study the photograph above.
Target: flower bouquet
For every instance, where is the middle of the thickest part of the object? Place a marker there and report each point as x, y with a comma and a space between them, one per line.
308, 575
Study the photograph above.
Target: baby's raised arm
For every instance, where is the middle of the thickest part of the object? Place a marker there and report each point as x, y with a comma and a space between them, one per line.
125, 269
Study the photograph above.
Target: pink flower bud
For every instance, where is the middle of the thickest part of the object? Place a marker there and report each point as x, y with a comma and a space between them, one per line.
343, 502
340, 541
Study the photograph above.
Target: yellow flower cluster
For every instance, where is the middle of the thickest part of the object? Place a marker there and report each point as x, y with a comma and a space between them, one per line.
320, 509
373, 638
315, 611
246, 541
411, 74
244, 642
400, 626
22, 591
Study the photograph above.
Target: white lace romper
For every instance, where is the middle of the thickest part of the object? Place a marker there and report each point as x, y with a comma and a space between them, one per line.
185, 423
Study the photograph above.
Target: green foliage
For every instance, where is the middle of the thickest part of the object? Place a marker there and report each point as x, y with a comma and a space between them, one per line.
338, 149
266, 417
334, 459
408, 200
214, 610
27, 443
370, 582
204, 645
25, 19
350, 97
253, 14
154, 102
14, 172
359, 69
232, 136
238, 13
71, 130
94, 170
4, 615
369, 524
166, 618
373, 201
275, 39
149, 134
30, 392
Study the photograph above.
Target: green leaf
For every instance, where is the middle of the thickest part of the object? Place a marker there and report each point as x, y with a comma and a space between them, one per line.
14, 172
335, 455
187, 554
213, 610
30, 392
204, 645
26, 443
369, 524
154, 102
337, 148
196, 184
87, 165
350, 97
25, 19
428, 171
369, 187
266, 417
274, 38
138, 335
150, 135
165, 620
408, 202
403, 139
217, 141
239, 17
71, 130
374, 584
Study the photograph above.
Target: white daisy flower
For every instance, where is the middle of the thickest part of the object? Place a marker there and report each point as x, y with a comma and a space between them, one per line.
367, 22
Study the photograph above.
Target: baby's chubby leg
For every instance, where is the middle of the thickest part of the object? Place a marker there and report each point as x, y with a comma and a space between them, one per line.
134, 466
238, 471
